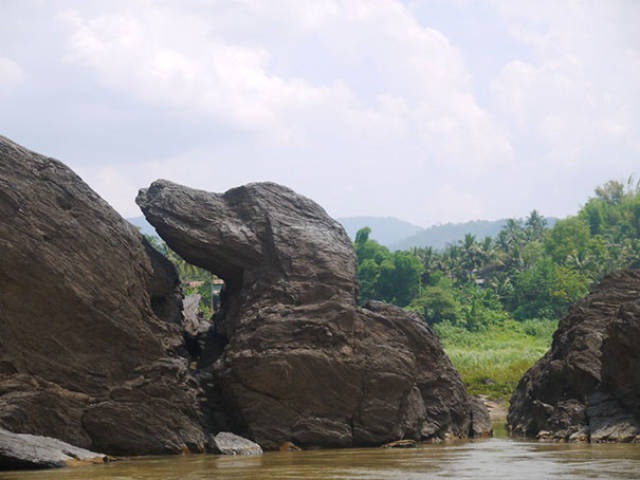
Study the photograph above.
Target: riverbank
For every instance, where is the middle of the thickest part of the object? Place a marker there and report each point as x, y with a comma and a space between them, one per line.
498, 409
471, 460
491, 361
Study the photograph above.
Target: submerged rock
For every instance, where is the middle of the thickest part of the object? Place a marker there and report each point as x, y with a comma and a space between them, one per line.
587, 387
292, 358
401, 444
91, 347
24, 451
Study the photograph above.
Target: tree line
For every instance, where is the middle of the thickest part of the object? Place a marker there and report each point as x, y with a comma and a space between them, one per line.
528, 271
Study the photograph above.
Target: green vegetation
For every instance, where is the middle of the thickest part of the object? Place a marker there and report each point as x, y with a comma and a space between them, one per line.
193, 279
492, 361
493, 301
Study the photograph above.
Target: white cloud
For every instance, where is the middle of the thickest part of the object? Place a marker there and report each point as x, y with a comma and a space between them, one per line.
170, 58
194, 62
579, 93
367, 107
333, 98
10, 73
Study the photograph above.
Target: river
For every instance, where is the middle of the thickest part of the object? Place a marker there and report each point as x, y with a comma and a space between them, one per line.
487, 459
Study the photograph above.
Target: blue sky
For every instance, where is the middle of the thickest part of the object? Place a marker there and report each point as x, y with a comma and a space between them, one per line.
430, 111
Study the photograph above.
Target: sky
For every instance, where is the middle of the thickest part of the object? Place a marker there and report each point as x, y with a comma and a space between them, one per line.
430, 111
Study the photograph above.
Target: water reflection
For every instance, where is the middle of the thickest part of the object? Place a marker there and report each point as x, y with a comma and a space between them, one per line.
495, 458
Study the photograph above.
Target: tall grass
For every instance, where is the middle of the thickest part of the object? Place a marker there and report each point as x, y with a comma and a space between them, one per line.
492, 361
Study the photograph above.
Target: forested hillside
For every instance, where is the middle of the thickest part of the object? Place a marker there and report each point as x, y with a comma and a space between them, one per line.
527, 271
399, 235
439, 236
509, 288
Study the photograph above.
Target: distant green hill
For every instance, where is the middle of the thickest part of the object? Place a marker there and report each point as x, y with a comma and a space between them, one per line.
144, 226
384, 230
439, 236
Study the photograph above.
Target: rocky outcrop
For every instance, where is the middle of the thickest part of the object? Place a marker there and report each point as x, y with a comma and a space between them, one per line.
24, 451
94, 351
91, 348
587, 387
292, 358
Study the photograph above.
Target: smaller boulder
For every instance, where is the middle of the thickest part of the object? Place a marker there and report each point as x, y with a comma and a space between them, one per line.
227, 443
481, 425
289, 447
194, 324
20, 451
609, 421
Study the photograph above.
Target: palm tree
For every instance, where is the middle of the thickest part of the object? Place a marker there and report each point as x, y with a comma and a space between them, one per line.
471, 255
536, 226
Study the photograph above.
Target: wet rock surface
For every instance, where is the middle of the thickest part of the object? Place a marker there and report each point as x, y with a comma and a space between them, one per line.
291, 357
587, 387
227, 443
91, 346
482, 424
24, 451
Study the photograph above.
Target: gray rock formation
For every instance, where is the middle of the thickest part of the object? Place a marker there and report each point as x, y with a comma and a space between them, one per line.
587, 387
24, 451
90, 338
227, 443
92, 343
482, 426
194, 323
292, 357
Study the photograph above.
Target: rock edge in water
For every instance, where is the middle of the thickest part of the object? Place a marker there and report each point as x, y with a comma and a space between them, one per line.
587, 387
24, 451
227, 443
91, 342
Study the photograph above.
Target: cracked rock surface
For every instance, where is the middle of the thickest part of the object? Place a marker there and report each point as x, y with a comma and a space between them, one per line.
587, 387
24, 451
292, 358
91, 348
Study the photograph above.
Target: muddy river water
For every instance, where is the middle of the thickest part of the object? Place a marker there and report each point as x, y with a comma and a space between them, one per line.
497, 458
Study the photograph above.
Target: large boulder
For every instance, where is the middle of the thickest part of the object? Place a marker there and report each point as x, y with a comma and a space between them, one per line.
292, 358
587, 387
91, 347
